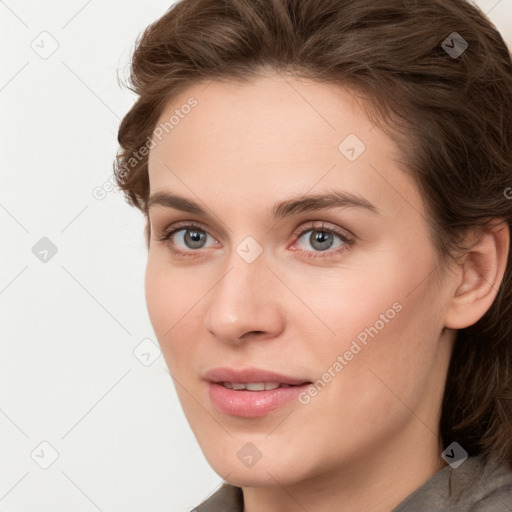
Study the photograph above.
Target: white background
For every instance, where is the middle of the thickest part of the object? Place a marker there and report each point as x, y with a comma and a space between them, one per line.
70, 325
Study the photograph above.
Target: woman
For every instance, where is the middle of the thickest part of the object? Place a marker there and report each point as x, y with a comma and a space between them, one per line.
327, 193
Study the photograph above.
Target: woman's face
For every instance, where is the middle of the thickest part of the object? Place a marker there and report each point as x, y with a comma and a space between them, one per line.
307, 255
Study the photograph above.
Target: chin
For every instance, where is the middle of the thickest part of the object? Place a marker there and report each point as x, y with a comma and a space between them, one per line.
260, 478
261, 474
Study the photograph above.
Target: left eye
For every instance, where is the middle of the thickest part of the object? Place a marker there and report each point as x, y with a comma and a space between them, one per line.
321, 239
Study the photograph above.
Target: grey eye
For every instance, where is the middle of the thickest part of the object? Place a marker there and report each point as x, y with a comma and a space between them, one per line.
192, 238
321, 240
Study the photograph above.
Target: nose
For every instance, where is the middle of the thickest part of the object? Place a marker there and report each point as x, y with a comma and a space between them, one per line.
244, 304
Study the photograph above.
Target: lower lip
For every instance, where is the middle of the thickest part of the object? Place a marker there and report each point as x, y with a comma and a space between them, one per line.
251, 404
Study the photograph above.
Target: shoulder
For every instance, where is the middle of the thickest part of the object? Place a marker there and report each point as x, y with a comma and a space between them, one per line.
489, 487
228, 498
479, 484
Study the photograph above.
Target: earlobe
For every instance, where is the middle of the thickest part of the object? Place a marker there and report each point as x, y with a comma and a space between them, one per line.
480, 276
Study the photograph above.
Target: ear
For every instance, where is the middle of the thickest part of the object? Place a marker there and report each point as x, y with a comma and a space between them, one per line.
479, 277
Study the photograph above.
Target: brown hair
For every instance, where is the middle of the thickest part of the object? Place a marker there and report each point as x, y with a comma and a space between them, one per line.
450, 114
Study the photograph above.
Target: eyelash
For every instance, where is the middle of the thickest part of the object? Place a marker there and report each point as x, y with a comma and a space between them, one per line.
347, 242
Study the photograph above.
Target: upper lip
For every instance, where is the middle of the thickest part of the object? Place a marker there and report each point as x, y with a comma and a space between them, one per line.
247, 375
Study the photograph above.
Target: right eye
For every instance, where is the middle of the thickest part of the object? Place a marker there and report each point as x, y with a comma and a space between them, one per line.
187, 239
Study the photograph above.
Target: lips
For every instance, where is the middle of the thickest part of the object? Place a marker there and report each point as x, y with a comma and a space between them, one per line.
251, 392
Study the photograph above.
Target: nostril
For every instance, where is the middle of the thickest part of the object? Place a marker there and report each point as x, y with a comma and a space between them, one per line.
252, 333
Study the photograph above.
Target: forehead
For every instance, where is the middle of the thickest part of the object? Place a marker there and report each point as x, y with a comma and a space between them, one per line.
268, 118
276, 132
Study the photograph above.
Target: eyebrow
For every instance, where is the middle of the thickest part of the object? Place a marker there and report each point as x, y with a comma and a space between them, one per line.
332, 199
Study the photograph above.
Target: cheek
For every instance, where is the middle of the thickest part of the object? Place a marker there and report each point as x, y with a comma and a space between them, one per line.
159, 295
171, 299
371, 391
383, 317
345, 303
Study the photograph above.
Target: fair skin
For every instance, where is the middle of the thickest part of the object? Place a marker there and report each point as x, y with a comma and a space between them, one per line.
370, 437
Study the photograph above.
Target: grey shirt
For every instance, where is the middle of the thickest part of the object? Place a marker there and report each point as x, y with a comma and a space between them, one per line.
477, 485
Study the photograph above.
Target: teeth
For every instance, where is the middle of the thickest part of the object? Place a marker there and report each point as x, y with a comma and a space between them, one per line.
254, 386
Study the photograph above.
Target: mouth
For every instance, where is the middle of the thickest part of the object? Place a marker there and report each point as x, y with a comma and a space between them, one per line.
251, 392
